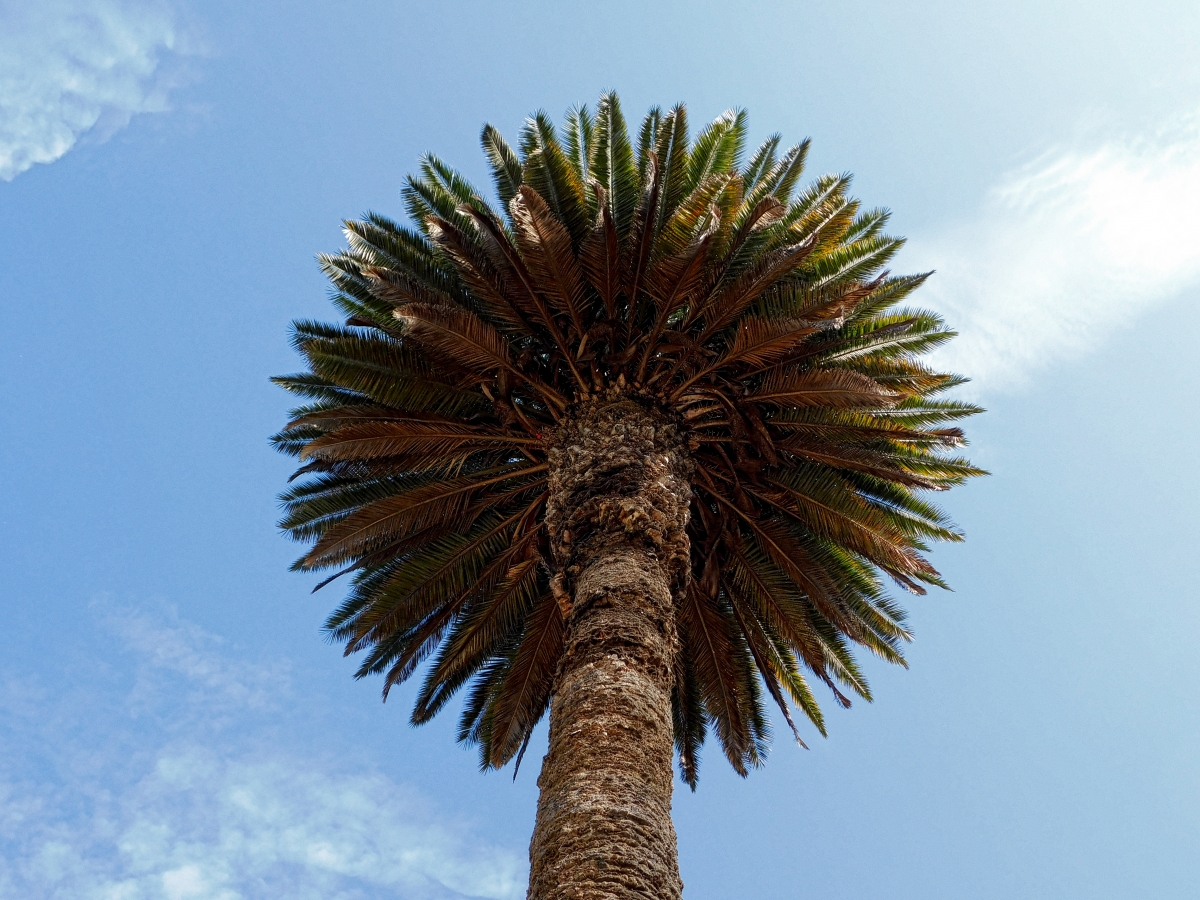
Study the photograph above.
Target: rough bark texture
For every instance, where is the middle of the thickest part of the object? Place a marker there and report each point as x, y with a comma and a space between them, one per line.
617, 517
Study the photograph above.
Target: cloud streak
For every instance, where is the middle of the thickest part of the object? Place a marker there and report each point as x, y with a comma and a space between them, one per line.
1065, 252
200, 826
167, 647
212, 806
69, 67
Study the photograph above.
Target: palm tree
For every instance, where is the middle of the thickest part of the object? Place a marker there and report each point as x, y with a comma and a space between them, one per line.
636, 445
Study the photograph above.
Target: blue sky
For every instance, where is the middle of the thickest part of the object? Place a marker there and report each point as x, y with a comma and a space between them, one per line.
173, 726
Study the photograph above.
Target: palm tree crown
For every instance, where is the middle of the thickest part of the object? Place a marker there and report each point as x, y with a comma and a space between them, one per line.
671, 273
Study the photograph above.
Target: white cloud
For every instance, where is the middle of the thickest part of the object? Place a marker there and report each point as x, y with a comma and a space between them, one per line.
213, 805
202, 826
166, 645
1066, 251
68, 67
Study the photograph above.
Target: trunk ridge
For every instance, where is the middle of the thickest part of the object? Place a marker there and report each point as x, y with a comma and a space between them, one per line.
617, 517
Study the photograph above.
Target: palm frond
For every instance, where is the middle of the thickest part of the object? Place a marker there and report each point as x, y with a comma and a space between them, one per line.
755, 316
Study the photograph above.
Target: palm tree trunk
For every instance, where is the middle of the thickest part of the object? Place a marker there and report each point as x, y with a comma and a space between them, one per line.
617, 517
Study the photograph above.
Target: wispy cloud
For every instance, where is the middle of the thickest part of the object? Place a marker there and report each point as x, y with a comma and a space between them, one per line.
1066, 251
167, 646
68, 67
200, 826
204, 813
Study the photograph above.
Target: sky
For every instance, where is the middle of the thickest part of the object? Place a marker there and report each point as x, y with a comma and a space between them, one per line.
172, 723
